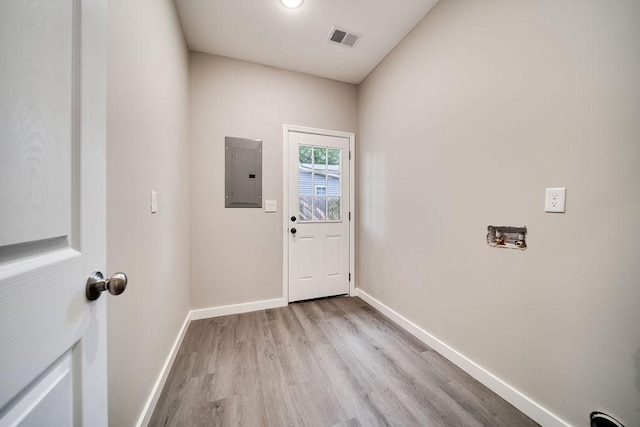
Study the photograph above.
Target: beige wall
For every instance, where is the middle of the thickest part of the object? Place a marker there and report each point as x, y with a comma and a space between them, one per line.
237, 253
148, 148
482, 106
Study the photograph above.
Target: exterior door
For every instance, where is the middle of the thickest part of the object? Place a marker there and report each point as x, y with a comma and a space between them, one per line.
52, 212
318, 215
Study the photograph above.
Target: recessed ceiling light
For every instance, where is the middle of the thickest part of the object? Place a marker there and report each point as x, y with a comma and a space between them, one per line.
292, 4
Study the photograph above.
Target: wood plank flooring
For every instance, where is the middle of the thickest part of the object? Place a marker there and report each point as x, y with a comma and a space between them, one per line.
328, 362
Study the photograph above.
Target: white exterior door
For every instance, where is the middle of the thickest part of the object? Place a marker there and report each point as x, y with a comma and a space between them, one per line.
52, 212
318, 215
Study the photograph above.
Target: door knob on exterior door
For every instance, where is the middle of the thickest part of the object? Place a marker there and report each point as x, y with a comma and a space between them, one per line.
96, 284
294, 231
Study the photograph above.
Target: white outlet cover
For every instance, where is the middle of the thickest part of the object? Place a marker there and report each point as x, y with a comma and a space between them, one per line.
554, 199
270, 206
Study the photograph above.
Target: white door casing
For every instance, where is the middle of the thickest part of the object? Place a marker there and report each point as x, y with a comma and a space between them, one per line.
52, 212
319, 194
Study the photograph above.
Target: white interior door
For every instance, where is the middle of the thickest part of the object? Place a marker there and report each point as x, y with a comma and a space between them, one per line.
318, 215
52, 212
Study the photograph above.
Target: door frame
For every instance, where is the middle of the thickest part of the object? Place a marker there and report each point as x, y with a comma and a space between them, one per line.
285, 201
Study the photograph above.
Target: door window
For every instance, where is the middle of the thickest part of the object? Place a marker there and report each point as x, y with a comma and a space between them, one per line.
319, 184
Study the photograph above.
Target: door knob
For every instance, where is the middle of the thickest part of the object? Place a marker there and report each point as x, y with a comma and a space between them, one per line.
96, 284
293, 218
293, 231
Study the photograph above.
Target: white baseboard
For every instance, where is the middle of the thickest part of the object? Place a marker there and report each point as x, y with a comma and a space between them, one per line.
526, 405
237, 308
150, 406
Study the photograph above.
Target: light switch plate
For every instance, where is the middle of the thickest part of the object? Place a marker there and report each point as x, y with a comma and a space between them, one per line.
554, 200
270, 206
154, 202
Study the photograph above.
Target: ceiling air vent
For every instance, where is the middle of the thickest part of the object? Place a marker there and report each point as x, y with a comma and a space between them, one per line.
343, 37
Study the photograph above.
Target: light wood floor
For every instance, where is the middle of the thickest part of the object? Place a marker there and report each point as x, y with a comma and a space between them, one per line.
329, 362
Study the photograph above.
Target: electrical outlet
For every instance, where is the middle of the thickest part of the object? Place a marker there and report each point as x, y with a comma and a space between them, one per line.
554, 200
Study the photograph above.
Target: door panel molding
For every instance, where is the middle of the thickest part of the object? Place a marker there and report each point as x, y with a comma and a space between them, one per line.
351, 216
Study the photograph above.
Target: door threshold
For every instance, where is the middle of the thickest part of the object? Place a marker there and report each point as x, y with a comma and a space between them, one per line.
319, 298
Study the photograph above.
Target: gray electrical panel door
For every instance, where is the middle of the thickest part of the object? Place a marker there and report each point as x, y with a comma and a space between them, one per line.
243, 172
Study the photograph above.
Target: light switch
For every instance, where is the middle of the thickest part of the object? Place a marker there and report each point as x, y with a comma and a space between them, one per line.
270, 206
154, 202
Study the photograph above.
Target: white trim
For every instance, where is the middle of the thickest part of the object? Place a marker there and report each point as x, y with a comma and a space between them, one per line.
352, 213
152, 401
285, 193
532, 409
285, 212
206, 313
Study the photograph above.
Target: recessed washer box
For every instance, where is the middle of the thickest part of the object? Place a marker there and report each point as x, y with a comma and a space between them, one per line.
243, 172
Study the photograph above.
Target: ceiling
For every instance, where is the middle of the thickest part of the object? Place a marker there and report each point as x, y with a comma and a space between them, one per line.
265, 32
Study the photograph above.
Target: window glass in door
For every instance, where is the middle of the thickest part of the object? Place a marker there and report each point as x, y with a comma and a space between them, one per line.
319, 184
